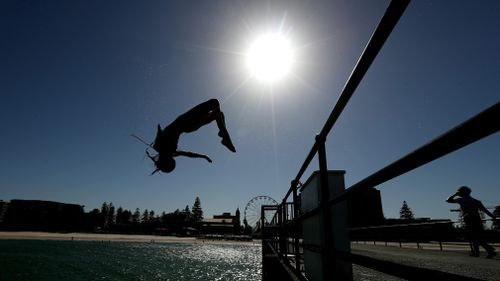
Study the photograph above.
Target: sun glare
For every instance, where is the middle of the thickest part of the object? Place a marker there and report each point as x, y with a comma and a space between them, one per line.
270, 57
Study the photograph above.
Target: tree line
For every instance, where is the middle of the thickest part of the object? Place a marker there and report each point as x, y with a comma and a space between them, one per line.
111, 219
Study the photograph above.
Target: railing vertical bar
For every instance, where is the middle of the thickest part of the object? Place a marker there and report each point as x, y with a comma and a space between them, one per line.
280, 230
295, 226
285, 232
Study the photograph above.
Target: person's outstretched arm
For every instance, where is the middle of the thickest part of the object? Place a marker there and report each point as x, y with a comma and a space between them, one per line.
192, 155
482, 208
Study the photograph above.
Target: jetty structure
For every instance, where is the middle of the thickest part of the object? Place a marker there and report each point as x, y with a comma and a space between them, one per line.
308, 237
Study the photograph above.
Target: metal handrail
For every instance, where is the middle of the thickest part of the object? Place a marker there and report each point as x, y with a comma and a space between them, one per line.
377, 40
403, 225
478, 127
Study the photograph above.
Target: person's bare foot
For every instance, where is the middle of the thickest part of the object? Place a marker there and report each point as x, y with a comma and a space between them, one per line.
226, 140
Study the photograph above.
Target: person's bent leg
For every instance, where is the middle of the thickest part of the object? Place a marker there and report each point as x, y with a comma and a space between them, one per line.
218, 115
212, 111
223, 133
205, 107
203, 114
199, 116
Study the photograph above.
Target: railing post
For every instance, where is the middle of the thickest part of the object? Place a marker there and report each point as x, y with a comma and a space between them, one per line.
294, 186
280, 230
325, 239
325, 234
283, 234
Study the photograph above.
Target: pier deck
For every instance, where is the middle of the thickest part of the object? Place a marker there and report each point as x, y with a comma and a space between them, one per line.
454, 260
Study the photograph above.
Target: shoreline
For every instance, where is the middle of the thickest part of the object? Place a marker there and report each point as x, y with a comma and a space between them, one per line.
80, 236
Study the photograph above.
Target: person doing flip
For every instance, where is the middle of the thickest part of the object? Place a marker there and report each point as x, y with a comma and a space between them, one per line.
167, 139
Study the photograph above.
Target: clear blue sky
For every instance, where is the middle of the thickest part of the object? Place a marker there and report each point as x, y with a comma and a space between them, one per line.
77, 77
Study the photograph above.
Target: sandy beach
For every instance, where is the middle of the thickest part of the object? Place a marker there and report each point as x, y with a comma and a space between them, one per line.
78, 236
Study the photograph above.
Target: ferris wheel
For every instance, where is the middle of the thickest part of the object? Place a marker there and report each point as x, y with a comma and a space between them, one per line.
253, 210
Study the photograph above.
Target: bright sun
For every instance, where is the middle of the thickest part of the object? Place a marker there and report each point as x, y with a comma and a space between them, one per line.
270, 57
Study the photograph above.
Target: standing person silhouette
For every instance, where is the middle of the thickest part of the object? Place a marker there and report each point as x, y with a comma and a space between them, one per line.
472, 219
167, 139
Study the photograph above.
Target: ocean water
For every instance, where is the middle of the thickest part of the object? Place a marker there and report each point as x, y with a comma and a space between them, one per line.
93, 260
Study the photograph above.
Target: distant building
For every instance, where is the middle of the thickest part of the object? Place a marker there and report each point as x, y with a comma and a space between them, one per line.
222, 224
37, 215
365, 208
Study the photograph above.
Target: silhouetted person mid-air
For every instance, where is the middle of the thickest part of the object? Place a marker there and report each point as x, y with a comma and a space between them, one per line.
472, 219
166, 140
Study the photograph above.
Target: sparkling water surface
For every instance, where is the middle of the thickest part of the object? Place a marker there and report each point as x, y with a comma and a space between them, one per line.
93, 260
